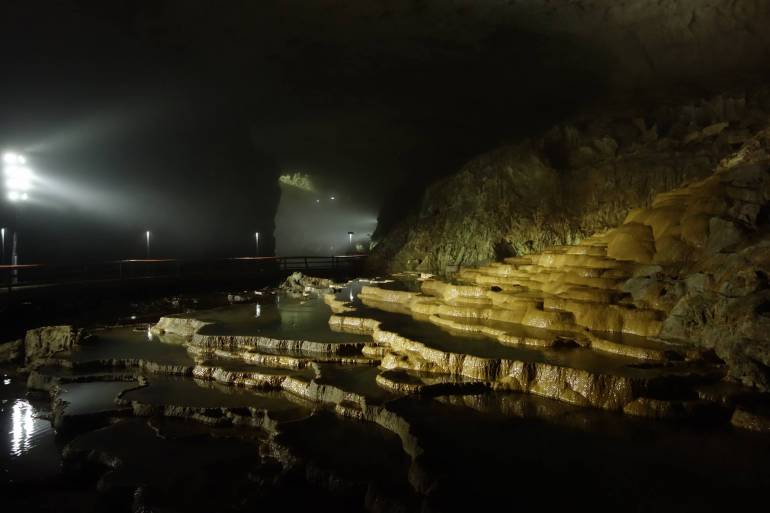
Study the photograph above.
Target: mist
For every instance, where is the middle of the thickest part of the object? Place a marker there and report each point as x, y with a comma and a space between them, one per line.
320, 222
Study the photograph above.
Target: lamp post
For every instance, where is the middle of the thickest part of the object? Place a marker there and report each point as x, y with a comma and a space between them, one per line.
350, 241
2, 234
256, 236
18, 182
147, 236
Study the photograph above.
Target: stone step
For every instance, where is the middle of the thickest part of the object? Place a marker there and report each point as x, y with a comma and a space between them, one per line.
605, 317
588, 249
518, 260
596, 378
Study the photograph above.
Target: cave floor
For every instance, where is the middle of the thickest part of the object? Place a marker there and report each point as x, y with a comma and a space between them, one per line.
272, 403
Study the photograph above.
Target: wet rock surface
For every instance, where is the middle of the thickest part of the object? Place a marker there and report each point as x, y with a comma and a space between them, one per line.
385, 406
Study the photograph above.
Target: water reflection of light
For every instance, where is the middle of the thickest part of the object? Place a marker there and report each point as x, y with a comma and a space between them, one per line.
23, 427
351, 294
258, 311
149, 334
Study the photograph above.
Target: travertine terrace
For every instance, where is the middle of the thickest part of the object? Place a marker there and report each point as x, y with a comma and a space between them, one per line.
603, 323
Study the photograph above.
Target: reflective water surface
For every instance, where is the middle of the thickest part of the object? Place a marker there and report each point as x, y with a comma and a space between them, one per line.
279, 317
28, 447
471, 451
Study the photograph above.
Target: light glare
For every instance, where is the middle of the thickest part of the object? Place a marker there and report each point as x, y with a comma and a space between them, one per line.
18, 177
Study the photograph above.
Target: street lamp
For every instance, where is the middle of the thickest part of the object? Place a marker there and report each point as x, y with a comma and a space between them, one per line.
256, 236
147, 236
2, 234
350, 240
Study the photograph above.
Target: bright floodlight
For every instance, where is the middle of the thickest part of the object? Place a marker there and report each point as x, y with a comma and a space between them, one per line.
331, 198
18, 177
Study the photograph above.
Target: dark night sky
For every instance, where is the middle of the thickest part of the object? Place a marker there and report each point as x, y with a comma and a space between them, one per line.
178, 115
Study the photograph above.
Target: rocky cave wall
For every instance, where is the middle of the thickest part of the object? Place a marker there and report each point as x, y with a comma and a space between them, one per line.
586, 173
576, 179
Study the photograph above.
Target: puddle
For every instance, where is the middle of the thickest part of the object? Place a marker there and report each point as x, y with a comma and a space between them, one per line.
201, 394
93, 397
238, 366
356, 379
481, 346
358, 451
128, 343
282, 318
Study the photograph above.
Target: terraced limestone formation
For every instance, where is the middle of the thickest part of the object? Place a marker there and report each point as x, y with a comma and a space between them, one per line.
608, 322
290, 382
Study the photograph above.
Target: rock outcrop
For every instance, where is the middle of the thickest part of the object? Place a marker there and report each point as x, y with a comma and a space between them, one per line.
11, 351
575, 180
40, 343
299, 285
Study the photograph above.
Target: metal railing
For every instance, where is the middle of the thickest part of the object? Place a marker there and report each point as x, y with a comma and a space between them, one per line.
40, 275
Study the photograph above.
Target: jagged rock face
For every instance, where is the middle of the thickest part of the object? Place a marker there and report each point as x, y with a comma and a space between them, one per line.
724, 308
716, 234
574, 181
